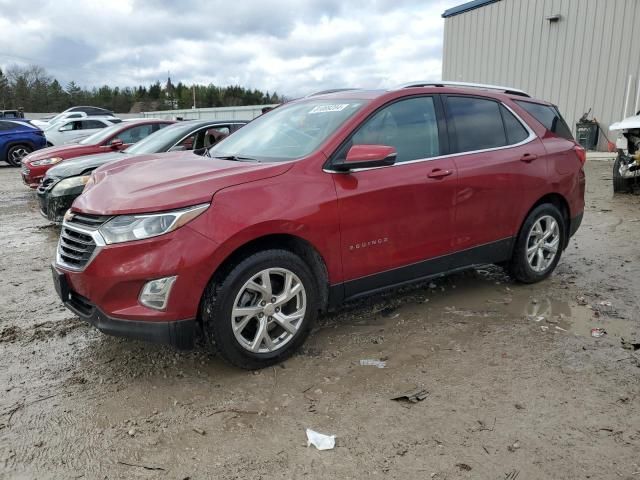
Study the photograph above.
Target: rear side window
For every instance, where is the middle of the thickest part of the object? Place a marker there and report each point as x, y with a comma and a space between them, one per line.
7, 125
549, 117
516, 132
91, 124
478, 123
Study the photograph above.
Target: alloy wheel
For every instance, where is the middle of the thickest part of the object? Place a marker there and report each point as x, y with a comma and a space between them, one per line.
543, 243
16, 154
268, 310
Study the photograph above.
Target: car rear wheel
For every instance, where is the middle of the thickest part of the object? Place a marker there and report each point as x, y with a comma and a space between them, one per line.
539, 245
262, 311
620, 184
16, 153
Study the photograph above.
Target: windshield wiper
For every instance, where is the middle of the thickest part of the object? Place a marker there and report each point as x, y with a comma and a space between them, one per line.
236, 158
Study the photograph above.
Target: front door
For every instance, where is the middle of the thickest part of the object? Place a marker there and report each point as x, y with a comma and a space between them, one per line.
397, 221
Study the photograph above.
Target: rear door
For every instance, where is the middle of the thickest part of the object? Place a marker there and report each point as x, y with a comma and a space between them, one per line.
394, 218
496, 159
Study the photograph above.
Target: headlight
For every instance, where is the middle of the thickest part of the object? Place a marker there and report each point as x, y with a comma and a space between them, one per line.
46, 161
125, 228
71, 182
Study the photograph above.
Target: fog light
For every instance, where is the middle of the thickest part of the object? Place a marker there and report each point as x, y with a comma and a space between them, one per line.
155, 294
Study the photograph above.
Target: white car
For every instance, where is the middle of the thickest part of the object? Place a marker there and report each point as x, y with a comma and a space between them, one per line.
44, 124
73, 112
626, 168
72, 131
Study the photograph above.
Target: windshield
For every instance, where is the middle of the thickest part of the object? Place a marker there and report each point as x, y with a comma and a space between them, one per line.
289, 132
100, 136
162, 140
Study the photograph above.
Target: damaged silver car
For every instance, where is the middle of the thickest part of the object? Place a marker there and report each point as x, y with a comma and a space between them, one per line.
626, 169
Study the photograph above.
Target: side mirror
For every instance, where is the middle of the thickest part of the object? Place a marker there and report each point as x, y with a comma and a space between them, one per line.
116, 143
177, 148
367, 156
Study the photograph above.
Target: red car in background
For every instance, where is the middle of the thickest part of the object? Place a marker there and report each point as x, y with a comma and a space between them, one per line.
114, 138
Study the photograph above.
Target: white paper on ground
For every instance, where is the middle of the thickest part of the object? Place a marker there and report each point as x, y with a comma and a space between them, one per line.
320, 441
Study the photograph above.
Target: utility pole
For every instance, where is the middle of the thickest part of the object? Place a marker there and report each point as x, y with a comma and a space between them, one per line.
194, 96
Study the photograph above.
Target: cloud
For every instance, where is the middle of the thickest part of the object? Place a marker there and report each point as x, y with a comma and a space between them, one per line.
286, 46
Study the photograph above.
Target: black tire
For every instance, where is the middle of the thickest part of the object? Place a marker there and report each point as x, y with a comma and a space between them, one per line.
620, 184
20, 150
519, 266
218, 302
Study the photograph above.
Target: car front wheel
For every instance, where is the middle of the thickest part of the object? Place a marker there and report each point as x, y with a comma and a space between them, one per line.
539, 245
16, 153
262, 311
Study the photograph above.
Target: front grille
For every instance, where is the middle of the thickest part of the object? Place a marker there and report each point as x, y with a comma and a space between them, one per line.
75, 248
77, 244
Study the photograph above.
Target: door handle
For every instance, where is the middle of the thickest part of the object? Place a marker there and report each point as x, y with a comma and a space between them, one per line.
439, 173
528, 157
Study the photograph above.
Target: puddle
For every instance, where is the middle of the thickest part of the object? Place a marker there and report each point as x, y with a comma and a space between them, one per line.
573, 318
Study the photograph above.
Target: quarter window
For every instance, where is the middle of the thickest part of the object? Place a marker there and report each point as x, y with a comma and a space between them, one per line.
409, 125
478, 123
549, 117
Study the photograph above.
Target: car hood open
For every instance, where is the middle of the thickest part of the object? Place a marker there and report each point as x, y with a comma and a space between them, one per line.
627, 123
166, 181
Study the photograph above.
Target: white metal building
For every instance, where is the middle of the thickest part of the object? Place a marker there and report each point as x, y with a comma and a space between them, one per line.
579, 54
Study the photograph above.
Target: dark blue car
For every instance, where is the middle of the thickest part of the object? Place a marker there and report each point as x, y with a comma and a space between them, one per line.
18, 139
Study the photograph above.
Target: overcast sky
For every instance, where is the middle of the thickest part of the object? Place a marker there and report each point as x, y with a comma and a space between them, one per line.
292, 47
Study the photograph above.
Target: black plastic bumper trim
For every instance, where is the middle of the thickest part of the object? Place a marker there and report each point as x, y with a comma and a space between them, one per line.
179, 334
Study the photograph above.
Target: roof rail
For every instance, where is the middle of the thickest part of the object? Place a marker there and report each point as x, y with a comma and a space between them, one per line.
509, 90
332, 90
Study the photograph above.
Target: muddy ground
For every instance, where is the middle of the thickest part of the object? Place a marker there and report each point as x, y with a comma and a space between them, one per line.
517, 387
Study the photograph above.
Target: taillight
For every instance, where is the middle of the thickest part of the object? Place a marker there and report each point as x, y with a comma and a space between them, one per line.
581, 153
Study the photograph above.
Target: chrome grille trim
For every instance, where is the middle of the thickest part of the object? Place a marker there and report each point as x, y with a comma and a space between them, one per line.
79, 243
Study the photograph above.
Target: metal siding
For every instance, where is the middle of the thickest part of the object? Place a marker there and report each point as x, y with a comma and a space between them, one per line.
581, 62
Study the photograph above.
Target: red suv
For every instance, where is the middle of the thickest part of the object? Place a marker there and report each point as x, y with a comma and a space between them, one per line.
110, 139
321, 200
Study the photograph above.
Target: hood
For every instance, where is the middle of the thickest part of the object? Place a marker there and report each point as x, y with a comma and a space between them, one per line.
627, 123
166, 181
85, 164
64, 151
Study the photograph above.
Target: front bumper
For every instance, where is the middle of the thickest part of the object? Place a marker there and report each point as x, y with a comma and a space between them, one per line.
53, 205
179, 334
32, 176
106, 290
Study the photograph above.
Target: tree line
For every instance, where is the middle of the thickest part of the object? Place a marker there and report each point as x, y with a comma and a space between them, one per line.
34, 90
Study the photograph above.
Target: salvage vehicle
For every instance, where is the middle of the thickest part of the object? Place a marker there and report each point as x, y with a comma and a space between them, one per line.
626, 168
107, 140
18, 139
64, 182
71, 131
324, 199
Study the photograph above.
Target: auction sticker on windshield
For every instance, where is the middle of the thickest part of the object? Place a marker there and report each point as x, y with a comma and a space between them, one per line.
329, 108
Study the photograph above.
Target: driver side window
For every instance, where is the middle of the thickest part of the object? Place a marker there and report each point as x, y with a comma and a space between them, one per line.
409, 125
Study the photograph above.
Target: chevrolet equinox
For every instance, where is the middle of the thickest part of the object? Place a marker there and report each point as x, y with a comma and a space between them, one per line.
322, 200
